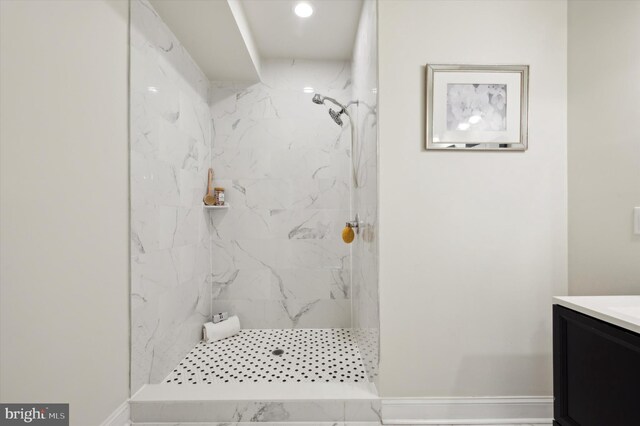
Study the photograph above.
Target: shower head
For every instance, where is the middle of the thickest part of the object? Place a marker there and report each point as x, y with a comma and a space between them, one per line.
336, 116
320, 99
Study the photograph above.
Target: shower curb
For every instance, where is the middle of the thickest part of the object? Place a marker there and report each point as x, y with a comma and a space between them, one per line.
334, 402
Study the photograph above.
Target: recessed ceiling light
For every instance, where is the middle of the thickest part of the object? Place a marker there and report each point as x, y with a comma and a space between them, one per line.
303, 10
308, 89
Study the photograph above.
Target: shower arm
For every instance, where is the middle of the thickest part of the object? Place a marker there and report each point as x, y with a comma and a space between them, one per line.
343, 107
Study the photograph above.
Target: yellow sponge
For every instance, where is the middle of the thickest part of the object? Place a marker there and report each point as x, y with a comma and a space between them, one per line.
348, 235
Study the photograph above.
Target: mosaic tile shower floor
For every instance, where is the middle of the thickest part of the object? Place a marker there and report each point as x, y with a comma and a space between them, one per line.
274, 355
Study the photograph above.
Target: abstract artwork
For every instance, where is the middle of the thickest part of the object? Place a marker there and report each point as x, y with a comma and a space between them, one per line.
479, 107
476, 107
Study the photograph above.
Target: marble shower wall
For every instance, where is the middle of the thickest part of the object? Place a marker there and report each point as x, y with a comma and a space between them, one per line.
277, 255
170, 155
365, 197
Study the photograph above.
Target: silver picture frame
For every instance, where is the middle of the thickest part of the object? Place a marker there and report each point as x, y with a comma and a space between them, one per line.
507, 129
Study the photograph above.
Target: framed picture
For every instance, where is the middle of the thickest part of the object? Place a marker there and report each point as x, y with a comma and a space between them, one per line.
477, 107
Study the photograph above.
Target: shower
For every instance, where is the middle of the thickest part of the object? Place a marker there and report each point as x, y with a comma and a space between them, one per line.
305, 302
335, 115
320, 99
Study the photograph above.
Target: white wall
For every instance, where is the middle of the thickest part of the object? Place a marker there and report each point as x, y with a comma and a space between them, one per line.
472, 245
64, 221
604, 146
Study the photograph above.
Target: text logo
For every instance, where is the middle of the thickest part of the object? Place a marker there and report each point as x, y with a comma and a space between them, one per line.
34, 414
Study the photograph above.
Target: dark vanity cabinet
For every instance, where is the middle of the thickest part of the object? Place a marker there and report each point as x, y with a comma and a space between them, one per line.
596, 371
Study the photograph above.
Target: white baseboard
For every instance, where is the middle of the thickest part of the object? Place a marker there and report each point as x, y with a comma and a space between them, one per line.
468, 411
120, 417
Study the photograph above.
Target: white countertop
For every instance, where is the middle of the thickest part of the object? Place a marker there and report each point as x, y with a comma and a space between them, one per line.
623, 311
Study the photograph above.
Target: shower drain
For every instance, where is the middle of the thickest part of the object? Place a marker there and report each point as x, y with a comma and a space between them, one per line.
277, 352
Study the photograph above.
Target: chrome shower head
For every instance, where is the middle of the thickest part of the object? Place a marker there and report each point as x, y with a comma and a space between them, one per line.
336, 116
320, 99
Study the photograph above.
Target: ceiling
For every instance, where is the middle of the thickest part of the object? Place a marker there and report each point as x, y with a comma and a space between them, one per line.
211, 30
327, 34
229, 38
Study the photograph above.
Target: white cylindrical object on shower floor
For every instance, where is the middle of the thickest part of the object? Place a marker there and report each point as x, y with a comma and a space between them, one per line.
221, 330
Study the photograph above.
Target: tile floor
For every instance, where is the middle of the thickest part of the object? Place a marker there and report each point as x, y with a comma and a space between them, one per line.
274, 355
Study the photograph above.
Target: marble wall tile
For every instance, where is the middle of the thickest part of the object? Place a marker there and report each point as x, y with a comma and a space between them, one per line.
277, 257
301, 284
250, 312
267, 412
315, 313
239, 411
294, 75
241, 224
243, 284
271, 424
170, 155
365, 196
363, 410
